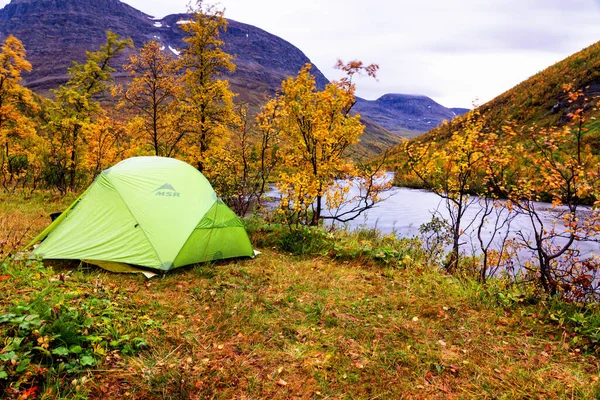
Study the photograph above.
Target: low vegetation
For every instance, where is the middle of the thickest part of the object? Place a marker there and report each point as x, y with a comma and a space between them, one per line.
317, 315
507, 173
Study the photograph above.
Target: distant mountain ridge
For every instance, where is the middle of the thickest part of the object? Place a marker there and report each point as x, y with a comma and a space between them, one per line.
401, 112
58, 32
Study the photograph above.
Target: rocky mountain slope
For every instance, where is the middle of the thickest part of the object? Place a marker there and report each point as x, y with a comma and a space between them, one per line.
57, 32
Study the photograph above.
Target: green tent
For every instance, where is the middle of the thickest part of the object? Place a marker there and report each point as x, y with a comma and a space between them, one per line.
155, 212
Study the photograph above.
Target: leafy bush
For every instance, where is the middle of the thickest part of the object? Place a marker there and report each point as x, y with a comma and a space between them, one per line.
58, 334
582, 322
305, 241
364, 244
17, 164
436, 238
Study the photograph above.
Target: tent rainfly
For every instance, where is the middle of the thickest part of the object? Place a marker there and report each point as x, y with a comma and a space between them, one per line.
155, 212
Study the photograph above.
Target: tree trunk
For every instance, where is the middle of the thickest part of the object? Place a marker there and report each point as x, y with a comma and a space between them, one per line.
452, 261
73, 167
317, 214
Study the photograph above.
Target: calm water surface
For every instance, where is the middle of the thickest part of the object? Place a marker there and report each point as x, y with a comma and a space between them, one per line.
407, 209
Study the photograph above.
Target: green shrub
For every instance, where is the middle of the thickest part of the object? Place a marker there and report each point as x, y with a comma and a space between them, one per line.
366, 244
305, 240
581, 320
56, 334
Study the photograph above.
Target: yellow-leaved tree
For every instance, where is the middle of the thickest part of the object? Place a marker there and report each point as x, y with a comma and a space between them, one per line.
564, 168
207, 102
152, 95
75, 109
17, 130
316, 130
451, 171
107, 143
247, 163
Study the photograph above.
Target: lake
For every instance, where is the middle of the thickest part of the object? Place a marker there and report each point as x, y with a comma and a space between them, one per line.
407, 209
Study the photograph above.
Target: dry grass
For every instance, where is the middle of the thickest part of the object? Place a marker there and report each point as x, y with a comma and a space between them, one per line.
284, 327
23, 216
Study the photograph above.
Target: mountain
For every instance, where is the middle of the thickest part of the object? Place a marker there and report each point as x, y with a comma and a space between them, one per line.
459, 110
58, 32
406, 115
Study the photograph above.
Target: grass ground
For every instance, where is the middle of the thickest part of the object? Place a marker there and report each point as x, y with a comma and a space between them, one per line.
278, 326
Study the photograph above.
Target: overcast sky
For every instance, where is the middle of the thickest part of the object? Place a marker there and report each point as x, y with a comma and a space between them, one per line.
454, 51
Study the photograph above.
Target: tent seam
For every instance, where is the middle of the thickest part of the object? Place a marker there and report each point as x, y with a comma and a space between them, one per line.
196, 227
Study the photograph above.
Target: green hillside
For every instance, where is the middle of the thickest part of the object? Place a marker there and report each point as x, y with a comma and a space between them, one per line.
542, 100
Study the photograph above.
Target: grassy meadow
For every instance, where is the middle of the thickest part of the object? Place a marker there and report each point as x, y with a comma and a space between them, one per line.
317, 315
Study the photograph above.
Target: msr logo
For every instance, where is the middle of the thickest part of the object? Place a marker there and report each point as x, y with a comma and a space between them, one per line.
166, 190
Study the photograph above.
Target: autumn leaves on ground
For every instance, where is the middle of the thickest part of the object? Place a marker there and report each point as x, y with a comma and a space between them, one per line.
350, 316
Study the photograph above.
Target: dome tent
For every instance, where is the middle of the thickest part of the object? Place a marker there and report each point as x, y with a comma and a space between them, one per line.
155, 212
